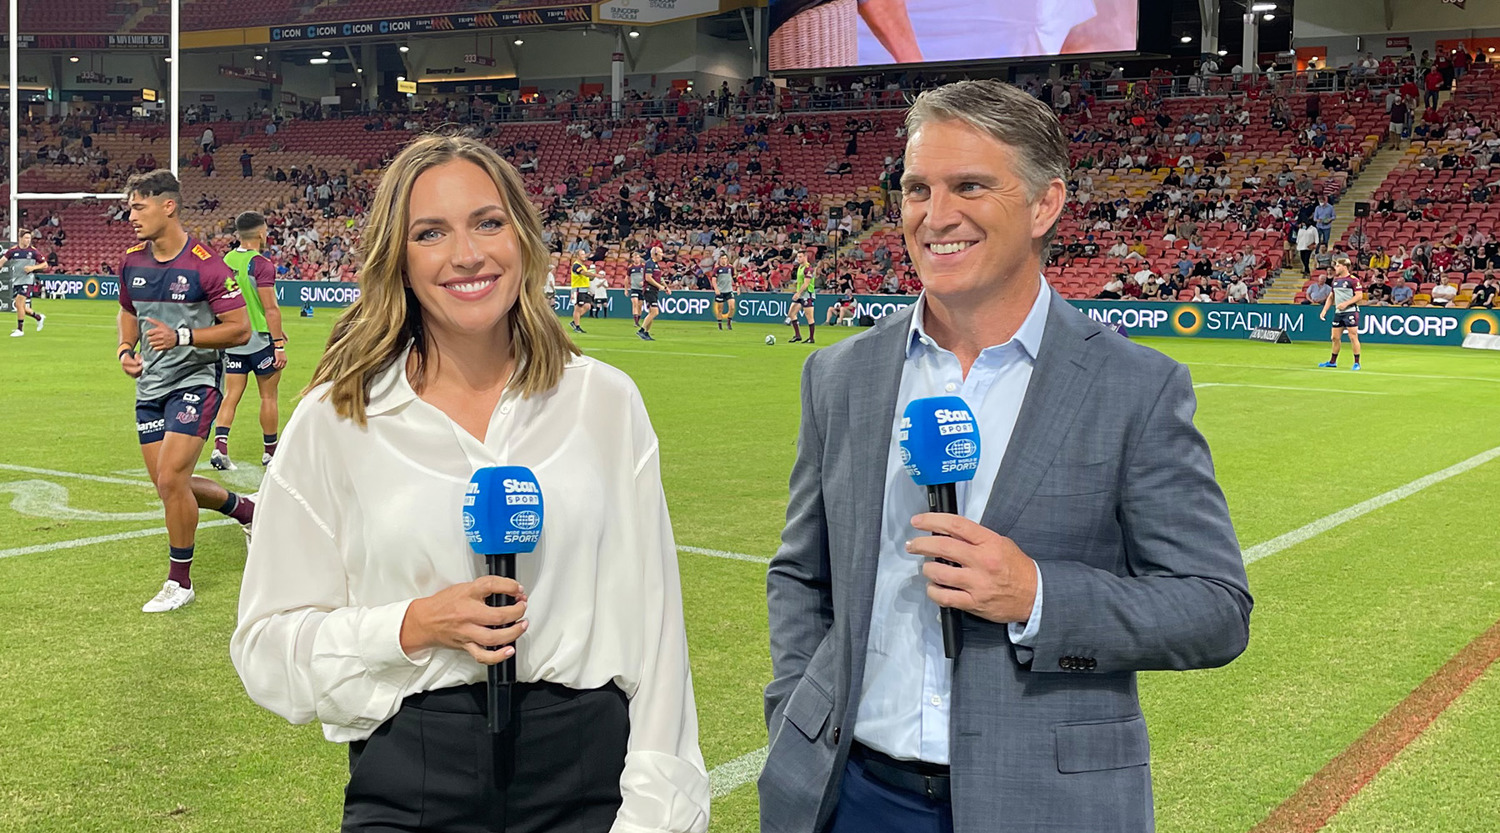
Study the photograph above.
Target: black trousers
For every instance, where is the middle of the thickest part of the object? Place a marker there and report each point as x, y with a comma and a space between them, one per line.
434, 767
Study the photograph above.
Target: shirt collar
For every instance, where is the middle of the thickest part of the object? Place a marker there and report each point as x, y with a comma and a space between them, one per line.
1029, 335
390, 388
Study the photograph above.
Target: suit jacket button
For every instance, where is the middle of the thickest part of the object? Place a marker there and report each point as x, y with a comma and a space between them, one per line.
835, 736
1065, 663
1093, 663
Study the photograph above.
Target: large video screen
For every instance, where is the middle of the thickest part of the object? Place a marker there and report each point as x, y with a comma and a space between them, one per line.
817, 34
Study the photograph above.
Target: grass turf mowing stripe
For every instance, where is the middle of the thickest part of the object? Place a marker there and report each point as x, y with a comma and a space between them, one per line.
1325, 371
1321, 797
1343, 516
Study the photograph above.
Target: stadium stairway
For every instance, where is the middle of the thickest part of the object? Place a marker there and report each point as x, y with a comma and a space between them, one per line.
1363, 190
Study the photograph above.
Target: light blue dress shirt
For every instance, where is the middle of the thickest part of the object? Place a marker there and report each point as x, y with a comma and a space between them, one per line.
905, 698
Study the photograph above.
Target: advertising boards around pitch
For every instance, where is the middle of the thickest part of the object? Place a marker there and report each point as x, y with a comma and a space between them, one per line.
1377, 325
750, 307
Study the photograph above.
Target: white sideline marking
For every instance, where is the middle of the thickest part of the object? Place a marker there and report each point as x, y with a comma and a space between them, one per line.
1327, 370
1287, 387
1343, 516
731, 775
97, 478
734, 556
102, 539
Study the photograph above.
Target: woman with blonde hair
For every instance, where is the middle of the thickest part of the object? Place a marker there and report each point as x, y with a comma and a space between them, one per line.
363, 607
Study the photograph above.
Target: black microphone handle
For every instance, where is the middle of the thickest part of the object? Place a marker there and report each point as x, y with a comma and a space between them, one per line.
943, 497
503, 673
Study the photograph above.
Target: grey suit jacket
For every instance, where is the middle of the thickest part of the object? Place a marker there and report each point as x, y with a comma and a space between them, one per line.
1108, 486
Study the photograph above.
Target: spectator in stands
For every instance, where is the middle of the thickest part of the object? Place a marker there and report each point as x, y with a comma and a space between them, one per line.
1474, 243
206, 141
247, 163
1306, 241
1317, 291
1485, 292
1402, 293
1444, 292
1432, 83
1323, 217
1322, 258
1377, 293
1112, 290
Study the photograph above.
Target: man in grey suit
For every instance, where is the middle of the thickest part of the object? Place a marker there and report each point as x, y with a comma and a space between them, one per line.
1094, 541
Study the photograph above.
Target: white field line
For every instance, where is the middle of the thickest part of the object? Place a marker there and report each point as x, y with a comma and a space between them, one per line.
97, 478
734, 556
1343, 516
1288, 387
102, 539
730, 776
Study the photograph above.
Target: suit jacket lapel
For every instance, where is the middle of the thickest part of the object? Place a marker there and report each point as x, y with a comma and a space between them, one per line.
871, 409
1064, 369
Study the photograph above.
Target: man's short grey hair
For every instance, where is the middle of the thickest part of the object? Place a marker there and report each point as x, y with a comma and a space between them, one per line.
1011, 117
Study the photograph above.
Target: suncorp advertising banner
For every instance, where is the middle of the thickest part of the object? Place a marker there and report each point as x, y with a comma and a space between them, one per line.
752, 307
1380, 325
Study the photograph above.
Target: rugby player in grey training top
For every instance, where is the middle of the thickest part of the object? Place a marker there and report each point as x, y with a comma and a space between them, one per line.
1344, 299
23, 262
177, 302
724, 292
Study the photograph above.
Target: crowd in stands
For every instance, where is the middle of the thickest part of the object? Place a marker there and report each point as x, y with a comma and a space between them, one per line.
1185, 198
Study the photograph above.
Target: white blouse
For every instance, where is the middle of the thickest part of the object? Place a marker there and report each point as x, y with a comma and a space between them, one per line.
353, 523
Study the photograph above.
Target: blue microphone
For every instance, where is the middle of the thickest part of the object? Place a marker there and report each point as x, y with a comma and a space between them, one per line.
939, 448
502, 517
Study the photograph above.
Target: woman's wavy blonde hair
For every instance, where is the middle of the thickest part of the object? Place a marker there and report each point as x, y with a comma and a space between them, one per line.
375, 329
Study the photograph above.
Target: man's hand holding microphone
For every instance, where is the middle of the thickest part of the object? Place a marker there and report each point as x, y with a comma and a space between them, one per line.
970, 568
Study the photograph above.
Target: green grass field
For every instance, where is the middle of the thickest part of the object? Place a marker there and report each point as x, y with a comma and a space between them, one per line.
114, 720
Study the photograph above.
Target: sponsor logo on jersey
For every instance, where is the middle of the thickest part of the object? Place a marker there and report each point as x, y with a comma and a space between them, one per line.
136, 248
202, 253
153, 425
191, 397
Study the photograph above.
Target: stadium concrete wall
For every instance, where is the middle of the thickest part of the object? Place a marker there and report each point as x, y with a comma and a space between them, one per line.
1378, 325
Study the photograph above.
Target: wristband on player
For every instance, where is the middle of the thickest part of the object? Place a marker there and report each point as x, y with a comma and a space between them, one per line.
184, 336
125, 348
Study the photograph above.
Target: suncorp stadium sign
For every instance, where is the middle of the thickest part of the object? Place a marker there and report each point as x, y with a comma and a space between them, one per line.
1387, 325
1402, 325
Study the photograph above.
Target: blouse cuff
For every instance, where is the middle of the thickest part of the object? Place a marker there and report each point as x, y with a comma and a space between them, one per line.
662, 793
380, 643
